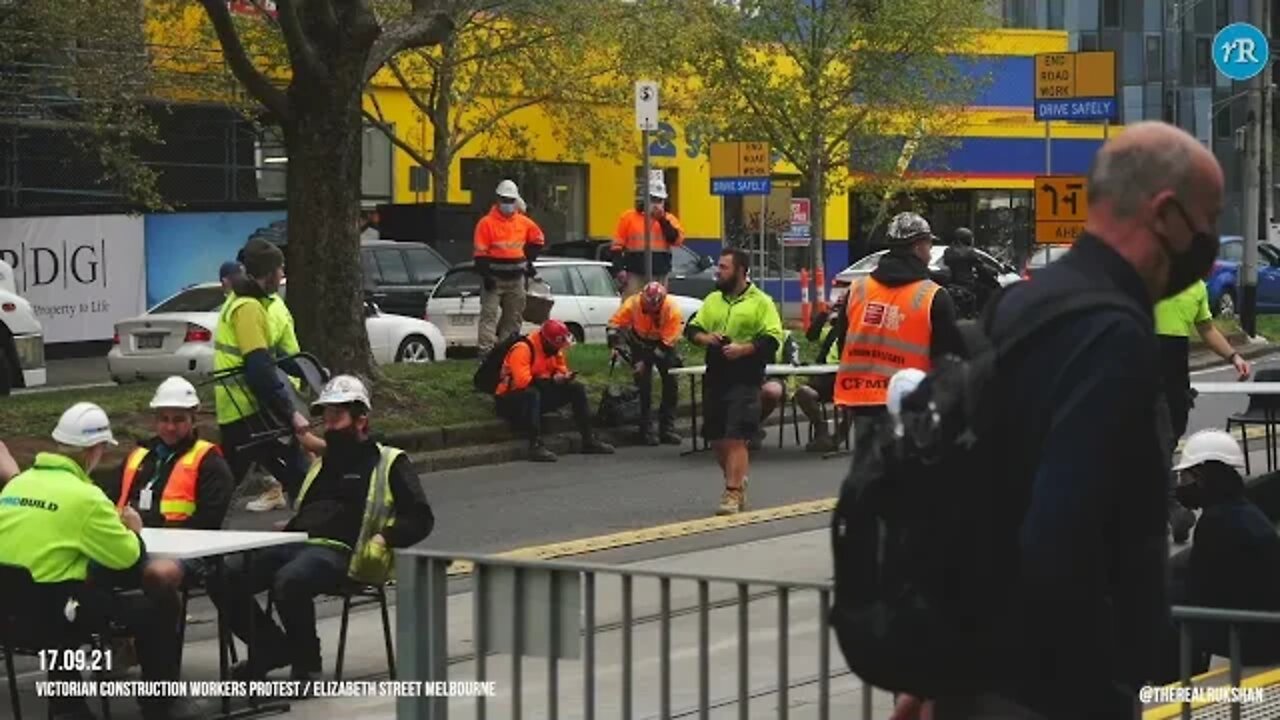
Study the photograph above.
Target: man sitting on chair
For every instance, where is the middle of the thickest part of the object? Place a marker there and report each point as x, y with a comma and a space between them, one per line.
360, 500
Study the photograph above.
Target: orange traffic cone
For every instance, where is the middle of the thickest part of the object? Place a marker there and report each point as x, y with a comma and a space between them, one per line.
822, 291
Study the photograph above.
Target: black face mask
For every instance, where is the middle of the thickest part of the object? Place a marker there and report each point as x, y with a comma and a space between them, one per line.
1187, 267
341, 439
1190, 495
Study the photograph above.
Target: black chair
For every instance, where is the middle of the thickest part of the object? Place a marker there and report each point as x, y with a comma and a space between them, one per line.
22, 609
187, 594
357, 594
1262, 410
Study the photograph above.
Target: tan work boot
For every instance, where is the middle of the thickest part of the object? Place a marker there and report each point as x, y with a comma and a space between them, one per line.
271, 499
733, 501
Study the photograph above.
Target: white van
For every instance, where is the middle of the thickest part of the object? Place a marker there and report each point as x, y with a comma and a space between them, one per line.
21, 338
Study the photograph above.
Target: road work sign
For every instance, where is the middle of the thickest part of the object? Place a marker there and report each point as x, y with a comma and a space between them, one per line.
1061, 208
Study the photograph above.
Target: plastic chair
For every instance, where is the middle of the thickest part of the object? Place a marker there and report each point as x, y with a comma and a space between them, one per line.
1262, 410
357, 594
266, 427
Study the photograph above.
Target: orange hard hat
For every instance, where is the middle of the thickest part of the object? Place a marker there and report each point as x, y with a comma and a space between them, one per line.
556, 334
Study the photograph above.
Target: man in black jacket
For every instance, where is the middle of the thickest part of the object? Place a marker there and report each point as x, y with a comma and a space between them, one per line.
1085, 607
342, 509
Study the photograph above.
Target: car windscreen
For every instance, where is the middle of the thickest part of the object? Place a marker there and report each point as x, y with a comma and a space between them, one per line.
425, 265
457, 283
198, 299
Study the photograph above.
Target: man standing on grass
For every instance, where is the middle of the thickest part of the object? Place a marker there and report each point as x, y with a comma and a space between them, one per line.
739, 326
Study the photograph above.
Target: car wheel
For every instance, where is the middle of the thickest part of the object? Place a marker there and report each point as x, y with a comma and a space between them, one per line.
1225, 307
415, 349
579, 336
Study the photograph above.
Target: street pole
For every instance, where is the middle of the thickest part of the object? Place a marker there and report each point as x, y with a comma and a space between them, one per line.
1048, 148
648, 217
764, 260
1252, 188
1268, 131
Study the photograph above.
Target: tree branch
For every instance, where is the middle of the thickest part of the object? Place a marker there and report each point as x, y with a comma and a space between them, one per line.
415, 154
272, 97
425, 26
408, 88
301, 52
498, 116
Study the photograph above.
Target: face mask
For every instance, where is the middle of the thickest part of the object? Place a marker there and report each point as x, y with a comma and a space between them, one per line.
1187, 267
343, 438
1190, 495
507, 209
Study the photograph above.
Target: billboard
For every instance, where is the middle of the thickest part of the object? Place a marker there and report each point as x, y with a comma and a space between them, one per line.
187, 248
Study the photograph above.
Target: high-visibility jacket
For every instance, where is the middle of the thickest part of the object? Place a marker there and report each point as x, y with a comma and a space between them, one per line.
664, 326
232, 399
526, 362
889, 330
283, 338
833, 353
629, 236
54, 520
178, 500
501, 240
370, 563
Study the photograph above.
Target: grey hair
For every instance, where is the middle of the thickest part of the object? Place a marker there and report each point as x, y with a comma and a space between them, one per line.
1130, 175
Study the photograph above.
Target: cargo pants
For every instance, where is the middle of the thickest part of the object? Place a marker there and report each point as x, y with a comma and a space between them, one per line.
501, 310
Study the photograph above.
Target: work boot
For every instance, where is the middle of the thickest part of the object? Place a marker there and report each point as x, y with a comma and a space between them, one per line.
669, 436
734, 500
592, 445
271, 499
648, 436
243, 671
540, 453
821, 443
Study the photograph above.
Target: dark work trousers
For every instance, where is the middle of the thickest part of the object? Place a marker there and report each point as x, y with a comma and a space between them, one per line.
283, 459
865, 419
1175, 378
670, 390
294, 574
524, 408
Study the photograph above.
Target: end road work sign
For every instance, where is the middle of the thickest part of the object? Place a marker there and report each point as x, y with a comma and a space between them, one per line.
1076, 86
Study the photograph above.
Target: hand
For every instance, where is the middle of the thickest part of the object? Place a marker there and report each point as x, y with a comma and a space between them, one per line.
561, 378
312, 443
300, 423
909, 707
8, 466
131, 519
1241, 365
734, 351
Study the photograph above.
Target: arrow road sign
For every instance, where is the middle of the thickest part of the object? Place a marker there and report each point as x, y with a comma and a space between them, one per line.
646, 105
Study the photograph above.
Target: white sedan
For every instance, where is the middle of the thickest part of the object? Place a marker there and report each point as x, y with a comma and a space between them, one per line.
176, 337
1004, 273
584, 293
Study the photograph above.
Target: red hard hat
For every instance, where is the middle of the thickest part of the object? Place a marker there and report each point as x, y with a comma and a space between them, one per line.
652, 296
556, 334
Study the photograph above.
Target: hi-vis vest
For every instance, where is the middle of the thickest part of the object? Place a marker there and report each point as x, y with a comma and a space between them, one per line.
629, 236
369, 563
178, 501
833, 353
232, 399
889, 330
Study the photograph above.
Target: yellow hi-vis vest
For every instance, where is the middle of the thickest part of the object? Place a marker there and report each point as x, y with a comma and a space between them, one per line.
284, 341
370, 563
233, 399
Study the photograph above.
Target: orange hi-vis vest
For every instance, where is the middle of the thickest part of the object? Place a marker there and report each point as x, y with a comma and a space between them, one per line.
178, 501
663, 327
629, 236
528, 361
889, 330
502, 239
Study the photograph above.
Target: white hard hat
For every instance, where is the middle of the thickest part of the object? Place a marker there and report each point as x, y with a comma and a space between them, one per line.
1208, 445
343, 390
507, 188
84, 425
902, 384
658, 190
176, 392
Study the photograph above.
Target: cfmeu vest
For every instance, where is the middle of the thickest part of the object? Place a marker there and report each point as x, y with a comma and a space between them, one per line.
178, 501
889, 330
370, 563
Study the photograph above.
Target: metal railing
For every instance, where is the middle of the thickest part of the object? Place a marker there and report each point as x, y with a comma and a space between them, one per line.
1185, 617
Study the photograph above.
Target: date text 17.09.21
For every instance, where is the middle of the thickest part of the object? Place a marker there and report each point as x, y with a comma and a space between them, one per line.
77, 660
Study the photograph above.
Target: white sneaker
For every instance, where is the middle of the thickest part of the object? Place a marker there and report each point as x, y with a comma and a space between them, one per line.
272, 499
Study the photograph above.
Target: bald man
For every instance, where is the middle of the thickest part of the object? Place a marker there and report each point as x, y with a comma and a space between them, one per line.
1083, 603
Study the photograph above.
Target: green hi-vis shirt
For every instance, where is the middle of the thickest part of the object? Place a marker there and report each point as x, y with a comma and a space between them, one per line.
54, 520
1178, 316
741, 319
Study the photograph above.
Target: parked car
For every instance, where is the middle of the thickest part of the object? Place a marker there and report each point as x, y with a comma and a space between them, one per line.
692, 275
176, 337
584, 293
1042, 256
21, 338
1004, 272
1224, 280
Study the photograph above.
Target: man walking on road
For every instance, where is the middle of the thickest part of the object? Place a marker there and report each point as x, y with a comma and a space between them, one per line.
665, 233
739, 326
507, 242
1086, 479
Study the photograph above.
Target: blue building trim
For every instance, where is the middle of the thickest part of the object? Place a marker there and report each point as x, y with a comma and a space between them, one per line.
1010, 79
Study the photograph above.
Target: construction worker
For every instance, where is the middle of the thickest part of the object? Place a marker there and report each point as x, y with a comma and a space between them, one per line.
645, 331
535, 380
739, 326
58, 525
174, 480
665, 232
259, 399
507, 242
897, 318
830, 332
359, 502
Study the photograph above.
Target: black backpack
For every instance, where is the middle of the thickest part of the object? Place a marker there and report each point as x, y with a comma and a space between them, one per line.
490, 371
920, 553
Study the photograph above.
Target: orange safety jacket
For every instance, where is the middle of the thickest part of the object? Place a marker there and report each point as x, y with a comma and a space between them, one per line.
526, 362
501, 239
178, 501
663, 327
629, 236
889, 330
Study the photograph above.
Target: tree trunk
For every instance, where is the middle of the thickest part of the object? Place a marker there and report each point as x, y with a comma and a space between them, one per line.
818, 197
324, 141
441, 127
441, 164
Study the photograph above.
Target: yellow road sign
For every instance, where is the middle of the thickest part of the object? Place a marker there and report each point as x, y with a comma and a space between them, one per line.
740, 160
1061, 76
1061, 208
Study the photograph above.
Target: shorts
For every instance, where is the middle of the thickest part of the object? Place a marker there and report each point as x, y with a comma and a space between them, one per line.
730, 413
824, 385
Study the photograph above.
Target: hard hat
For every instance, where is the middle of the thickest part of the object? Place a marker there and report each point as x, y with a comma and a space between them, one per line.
652, 296
902, 384
658, 190
556, 334
176, 392
1209, 445
84, 425
508, 189
907, 226
342, 390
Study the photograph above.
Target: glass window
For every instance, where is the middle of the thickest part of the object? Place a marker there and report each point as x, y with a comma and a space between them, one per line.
391, 264
1057, 15
458, 283
1222, 122
1154, 67
198, 299
1131, 60
1231, 252
557, 278
1110, 13
1088, 41
425, 265
371, 274
597, 281
1204, 61
1086, 14
1221, 13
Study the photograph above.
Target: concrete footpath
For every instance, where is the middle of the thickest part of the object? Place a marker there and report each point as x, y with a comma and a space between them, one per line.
802, 557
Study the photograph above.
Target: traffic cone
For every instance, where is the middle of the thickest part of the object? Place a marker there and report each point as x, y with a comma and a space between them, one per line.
822, 291
804, 298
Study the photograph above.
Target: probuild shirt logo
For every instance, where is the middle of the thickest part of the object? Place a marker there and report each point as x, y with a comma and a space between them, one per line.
36, 503
66, 264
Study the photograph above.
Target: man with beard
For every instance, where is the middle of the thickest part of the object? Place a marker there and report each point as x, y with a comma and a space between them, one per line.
356, 504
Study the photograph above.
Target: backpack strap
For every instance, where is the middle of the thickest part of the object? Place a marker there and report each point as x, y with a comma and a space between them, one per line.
1057, 307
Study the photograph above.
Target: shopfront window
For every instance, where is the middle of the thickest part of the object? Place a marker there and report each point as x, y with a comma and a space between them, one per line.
1003, 222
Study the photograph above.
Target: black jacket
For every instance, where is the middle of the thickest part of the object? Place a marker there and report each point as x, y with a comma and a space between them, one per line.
214, 486
1086, 484
897, 269
333, 507
963, 264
